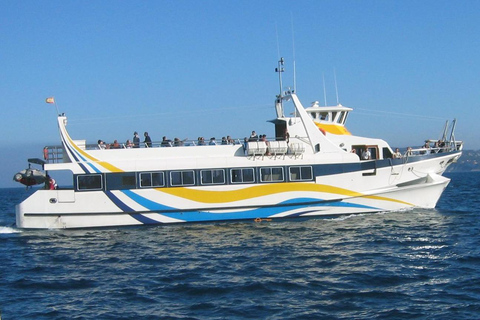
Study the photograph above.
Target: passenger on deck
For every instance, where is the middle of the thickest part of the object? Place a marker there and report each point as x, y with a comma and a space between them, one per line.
201, 141
245, 145
264, 139
136, 140
286, 135
128, 144
253, 136
50, 183
212, 142
101, 144
224, 141
425, 148
166, 142
147, 141
230, 140
177, 142
397, 154
366, 155
409, 152
441, 145
115, 144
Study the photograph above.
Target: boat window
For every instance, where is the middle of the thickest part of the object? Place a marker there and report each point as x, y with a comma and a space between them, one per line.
121, 181
216, 176
244, 175
345, 118
271, 174
90, 182
324, 116
334, 116
152, 179
387, 153
182, 178
300, 173
341, 119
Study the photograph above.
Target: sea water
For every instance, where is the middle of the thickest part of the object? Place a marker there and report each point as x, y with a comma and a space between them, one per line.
415, 264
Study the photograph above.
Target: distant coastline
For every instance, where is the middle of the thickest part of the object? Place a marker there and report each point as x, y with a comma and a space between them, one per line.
468, 162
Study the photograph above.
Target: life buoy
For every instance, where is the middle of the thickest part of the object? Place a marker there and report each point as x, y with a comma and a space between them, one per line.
45, 153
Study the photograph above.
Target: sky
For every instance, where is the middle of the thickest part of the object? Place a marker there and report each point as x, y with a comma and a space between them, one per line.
190, 68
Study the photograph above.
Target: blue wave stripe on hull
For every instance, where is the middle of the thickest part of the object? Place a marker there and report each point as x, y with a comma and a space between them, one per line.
120, 204
262, 212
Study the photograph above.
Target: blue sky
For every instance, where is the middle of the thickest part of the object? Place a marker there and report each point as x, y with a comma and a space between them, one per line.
206, 68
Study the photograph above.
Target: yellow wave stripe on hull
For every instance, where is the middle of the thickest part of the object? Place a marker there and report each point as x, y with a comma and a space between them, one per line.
208, 196
104, 164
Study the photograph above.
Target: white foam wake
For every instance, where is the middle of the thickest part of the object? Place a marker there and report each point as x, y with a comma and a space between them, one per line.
9, 230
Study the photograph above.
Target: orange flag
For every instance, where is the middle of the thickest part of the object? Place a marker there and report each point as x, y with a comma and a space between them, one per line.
50, 100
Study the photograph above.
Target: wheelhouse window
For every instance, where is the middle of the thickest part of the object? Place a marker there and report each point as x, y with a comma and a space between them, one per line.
182, 178
216, 176
274, 174
152, 179
244, 175
121, 181
90, 182
301, 173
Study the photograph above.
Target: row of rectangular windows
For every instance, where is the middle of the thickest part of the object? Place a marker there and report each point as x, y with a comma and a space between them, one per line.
183, 178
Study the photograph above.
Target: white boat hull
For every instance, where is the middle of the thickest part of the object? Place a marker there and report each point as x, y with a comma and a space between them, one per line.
67, 209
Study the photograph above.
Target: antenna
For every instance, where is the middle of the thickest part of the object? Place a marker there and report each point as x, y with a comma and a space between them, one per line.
279, 100
293, 48
324, 90
336, 88
278, 43
280, 69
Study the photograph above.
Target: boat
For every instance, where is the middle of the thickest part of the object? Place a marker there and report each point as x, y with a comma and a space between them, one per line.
30, 177
312, 167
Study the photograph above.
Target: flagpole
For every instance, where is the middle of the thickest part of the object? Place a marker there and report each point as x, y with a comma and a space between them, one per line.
58, 113
52, 100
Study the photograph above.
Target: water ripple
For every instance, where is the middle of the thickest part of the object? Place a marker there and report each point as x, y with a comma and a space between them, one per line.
420, 264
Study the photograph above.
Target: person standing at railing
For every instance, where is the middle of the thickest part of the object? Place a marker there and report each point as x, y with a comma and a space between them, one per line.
230, 140
136, 140
409, 152
425, 148
147, 141
166, 142
267, 144
285, 136
397, 153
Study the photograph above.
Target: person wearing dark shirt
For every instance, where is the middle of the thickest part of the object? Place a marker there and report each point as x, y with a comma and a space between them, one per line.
253, 136
166, 142
148, 141
136, 140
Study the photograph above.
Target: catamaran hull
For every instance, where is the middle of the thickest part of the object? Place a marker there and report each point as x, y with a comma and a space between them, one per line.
63, 209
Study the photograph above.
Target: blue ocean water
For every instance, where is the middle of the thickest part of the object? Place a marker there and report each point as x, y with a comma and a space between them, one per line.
416, 264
